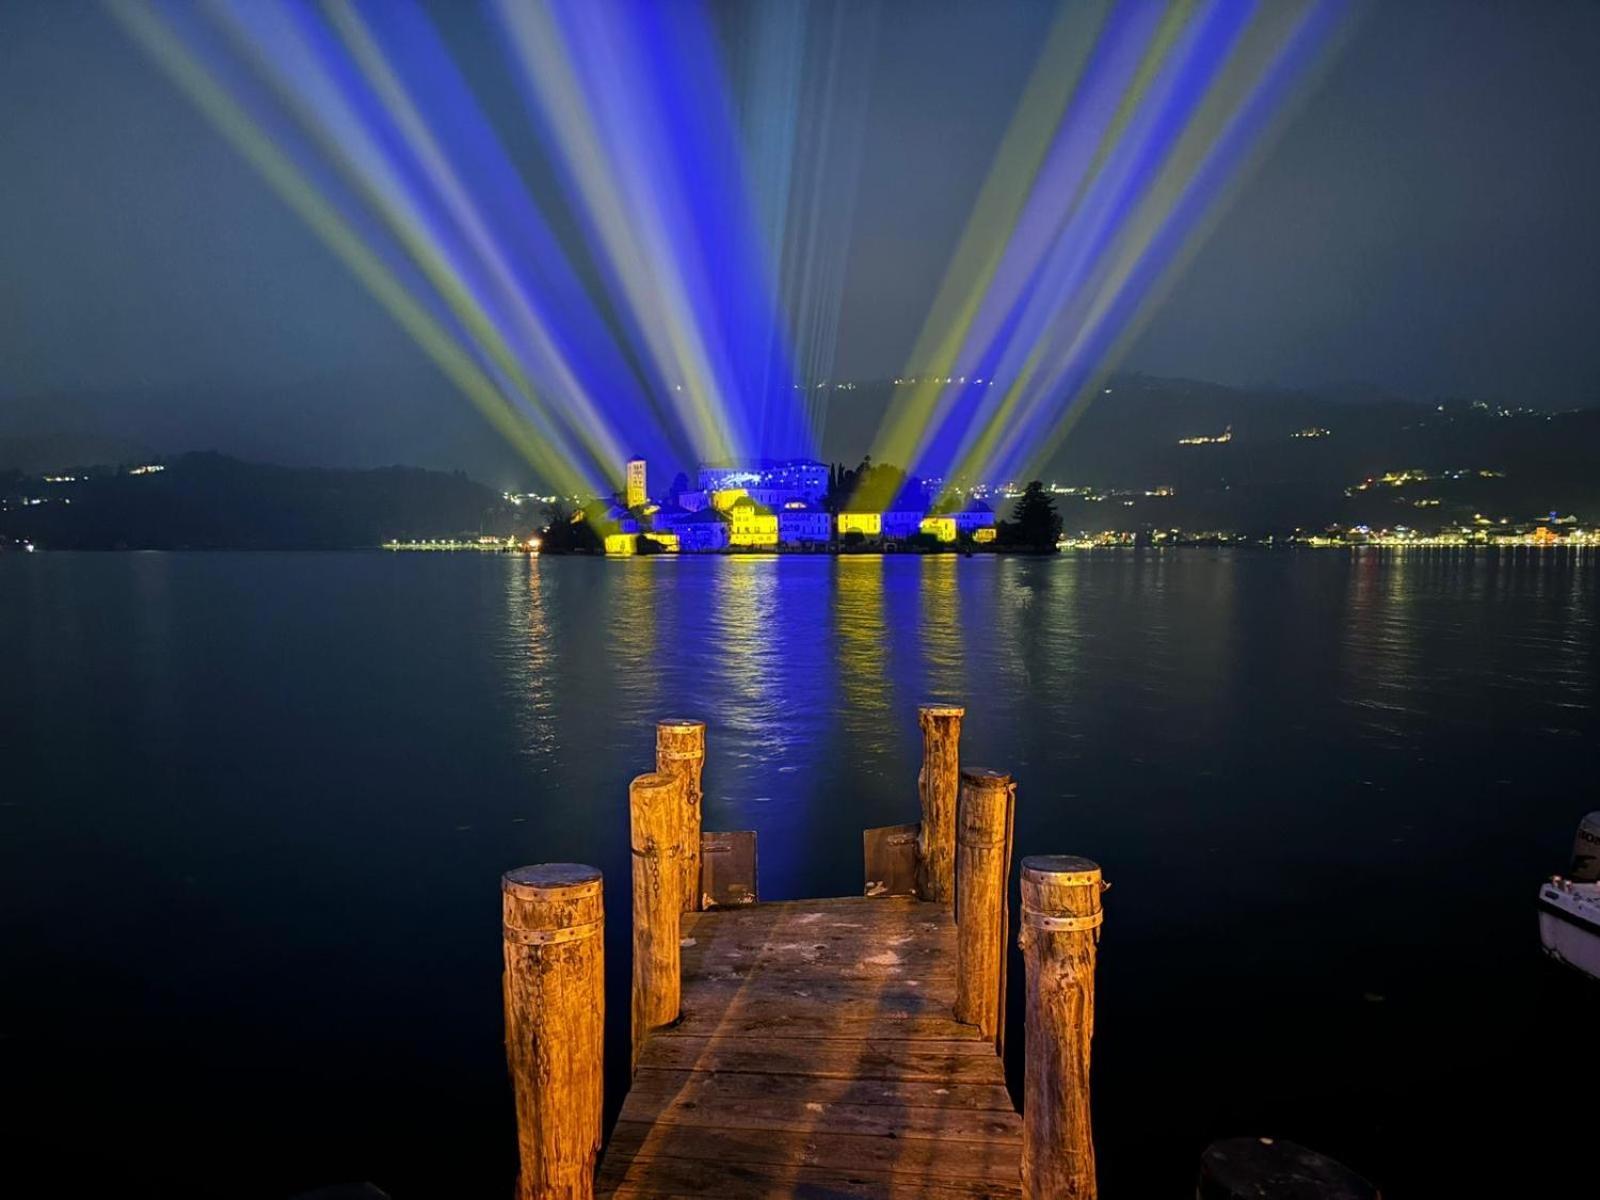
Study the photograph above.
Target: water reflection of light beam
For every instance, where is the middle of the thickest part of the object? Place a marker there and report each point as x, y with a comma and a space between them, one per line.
860, 634
636, 660
532, 655
746, 666
943, 638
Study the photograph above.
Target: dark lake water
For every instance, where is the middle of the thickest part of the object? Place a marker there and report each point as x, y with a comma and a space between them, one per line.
254, 809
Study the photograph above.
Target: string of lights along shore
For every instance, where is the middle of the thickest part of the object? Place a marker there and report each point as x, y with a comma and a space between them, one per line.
647, 258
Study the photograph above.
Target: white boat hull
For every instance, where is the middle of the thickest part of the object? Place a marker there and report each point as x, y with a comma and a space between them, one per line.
1569, 924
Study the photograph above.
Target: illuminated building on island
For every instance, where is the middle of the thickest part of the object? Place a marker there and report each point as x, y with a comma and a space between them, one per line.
777, 504
804, 523
636, 490
867, 524
753, 524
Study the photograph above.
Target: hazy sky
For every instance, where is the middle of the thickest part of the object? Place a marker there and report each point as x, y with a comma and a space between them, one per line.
1427, 223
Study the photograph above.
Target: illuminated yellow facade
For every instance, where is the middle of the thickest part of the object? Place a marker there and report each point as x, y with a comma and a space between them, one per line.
983, 535
667, 541
869, 524
622, 543
943, 528
636, 482
753, 524
723, 500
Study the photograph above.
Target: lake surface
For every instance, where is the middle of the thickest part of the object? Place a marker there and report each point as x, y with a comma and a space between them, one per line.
254, 809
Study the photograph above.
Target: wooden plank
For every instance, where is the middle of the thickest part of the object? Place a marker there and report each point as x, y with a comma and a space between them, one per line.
759, 926
819, 950
884, 990
710, 1106
897, 942
669, 1085
734, 1181
728, 869
827, 1058
913, 1158
818, 1020
889, 858
821, 1007
859, 908
818, 1057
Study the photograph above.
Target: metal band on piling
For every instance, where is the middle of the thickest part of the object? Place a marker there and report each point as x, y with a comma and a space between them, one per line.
551, 937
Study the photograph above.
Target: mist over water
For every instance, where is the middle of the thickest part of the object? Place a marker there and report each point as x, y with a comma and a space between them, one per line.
253, 810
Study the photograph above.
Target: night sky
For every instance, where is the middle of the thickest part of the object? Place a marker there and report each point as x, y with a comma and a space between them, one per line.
1425, 224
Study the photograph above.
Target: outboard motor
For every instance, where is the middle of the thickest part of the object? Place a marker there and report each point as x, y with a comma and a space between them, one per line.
1585, 866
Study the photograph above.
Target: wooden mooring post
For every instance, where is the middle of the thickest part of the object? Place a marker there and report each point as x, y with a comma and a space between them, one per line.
1060, 929
681, 751
983, 865
655, 806
938, 784
552, 918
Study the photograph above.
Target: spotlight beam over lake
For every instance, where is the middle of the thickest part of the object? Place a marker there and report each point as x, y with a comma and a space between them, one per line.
1138, 121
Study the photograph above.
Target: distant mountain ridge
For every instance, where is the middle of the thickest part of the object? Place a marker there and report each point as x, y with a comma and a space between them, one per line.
1148, 453
1143, 434
210, 502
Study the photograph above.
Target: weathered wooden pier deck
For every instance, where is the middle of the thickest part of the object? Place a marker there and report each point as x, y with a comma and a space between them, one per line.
837, 1049
843, 1047
817, 1056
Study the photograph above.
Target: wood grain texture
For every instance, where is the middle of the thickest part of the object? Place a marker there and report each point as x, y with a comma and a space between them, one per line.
552, 922
1060, 932
655, 804
681, 751
983, 865
817, 1057
938, 785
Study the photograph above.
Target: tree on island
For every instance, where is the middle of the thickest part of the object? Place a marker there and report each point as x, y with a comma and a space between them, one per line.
871, 487
567, 532
1035, 524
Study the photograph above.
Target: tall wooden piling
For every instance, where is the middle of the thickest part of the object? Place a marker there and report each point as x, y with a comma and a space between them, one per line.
552, 917
1060, 923
681, 750
983, 863
655, 804
938, 785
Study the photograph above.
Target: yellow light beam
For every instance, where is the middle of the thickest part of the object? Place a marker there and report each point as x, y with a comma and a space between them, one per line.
376, 182
590, 424
630, 233
1272, 30
280, 173
979, 441
994, 214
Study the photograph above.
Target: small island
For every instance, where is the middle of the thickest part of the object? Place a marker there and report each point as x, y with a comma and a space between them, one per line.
800, 506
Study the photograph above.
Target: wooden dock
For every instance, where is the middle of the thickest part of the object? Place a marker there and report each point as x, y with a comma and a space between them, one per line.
826, 1049
839, 1049
817, 1057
